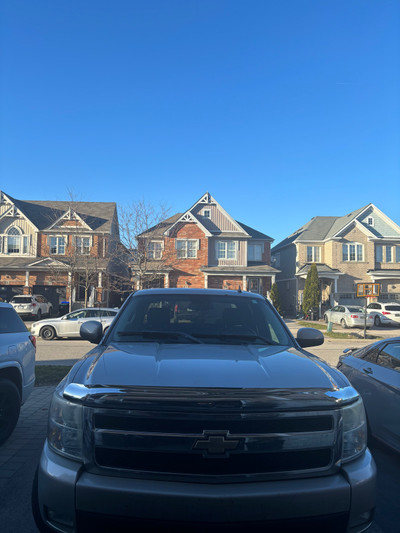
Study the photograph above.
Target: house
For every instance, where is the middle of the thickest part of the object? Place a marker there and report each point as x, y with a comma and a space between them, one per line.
204, 247
361, 247
62, 250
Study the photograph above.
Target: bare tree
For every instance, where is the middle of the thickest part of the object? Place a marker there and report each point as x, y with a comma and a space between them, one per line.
141, 227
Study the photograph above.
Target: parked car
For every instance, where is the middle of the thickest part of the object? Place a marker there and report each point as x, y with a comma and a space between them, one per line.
348, 316
17, 368
385, 314
375, 372
69, 324
199, 411
32, 306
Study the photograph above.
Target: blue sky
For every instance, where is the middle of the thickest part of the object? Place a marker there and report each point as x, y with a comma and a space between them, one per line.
281, 109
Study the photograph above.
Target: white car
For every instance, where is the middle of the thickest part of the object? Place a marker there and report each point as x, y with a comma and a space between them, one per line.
17, 368
33, 306
70, 324
348, 316
385, 313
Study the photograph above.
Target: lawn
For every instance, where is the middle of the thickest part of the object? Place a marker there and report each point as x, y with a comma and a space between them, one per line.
335, 334
50, 374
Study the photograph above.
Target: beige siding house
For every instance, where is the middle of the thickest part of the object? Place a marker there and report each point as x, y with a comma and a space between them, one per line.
361, 247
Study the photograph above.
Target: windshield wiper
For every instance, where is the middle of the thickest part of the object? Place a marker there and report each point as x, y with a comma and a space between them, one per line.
227, 336
158, 334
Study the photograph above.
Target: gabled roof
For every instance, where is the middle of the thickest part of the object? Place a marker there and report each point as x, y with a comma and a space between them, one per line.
165, 227
97, 216
323, 228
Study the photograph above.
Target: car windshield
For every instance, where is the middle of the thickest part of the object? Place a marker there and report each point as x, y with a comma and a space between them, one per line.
21, 300
199, 318
355, 309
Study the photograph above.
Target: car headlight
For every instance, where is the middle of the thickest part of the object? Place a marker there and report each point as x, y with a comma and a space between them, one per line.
65, 427
354, 431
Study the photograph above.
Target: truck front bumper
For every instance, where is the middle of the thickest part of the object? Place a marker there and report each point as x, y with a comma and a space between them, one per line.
70, 498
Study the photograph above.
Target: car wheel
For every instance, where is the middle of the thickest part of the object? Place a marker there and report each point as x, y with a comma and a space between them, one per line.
39, 315
47, 333
343, 323
40, 523
377, 321
326, 318
10, 405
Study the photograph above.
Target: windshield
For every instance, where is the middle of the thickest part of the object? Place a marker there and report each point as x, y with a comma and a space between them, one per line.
22, 300
198, 318
355, 310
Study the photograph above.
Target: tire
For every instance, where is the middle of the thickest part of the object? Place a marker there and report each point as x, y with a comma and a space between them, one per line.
10, 406
326, 319
40, 524
377, 321
48, 333
343, 323
39, 315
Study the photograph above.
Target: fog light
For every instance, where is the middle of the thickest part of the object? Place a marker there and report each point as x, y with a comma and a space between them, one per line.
59, 521
361, 523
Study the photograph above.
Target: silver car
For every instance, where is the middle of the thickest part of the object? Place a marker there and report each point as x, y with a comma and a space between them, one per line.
348, 316
70, 324
375, 372
17, 368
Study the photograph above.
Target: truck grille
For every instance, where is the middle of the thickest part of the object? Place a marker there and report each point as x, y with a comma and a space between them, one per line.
205, 445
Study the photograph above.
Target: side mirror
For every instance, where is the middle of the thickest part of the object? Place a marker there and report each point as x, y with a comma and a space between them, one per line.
307, 337
91, 331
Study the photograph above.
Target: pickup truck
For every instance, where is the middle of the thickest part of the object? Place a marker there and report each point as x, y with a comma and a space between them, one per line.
198, 410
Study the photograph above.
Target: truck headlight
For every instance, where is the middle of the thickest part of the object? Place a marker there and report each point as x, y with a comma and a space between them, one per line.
65, 427
354, 431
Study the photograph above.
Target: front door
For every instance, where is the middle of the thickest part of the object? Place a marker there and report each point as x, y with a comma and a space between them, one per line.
253, 285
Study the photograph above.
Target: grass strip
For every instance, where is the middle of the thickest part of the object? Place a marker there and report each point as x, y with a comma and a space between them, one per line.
335, 334
50, 374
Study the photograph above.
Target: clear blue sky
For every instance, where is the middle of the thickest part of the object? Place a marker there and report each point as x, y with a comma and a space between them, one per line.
281, 109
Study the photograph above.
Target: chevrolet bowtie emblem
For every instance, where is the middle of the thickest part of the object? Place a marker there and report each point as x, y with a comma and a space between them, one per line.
216, 444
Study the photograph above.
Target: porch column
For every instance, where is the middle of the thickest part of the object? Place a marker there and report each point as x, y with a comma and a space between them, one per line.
166, 281
206, 281
27, 278
273, 276
100, 280
245, 283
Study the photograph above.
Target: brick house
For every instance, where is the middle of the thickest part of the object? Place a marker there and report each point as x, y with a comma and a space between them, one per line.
62, 250
361, 247
205, 247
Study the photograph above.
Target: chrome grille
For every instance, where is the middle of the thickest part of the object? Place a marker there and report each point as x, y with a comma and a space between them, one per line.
220, 445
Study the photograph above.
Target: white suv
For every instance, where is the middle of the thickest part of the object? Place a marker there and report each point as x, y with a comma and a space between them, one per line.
17, 368
385, 313
33, 306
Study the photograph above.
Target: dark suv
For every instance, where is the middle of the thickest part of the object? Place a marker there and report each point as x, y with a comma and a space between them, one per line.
198, 410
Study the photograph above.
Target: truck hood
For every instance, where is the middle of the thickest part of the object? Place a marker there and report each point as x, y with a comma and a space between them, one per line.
208, 366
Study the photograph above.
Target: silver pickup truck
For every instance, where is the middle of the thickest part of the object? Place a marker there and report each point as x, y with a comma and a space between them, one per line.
198, 410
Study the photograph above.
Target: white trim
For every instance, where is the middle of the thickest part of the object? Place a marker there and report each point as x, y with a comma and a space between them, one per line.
70, 214
18, 212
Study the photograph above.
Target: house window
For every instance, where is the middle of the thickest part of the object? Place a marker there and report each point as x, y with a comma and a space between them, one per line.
388, 254
187, 248
313, 254
397, 254
57, 245
83, 245
226, 250
207, 213
353, 252
255, 252
14, 241
155, 249
370, 221
379, 253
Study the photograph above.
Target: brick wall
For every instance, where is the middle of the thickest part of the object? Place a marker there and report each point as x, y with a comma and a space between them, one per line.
187, 270
225, 282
